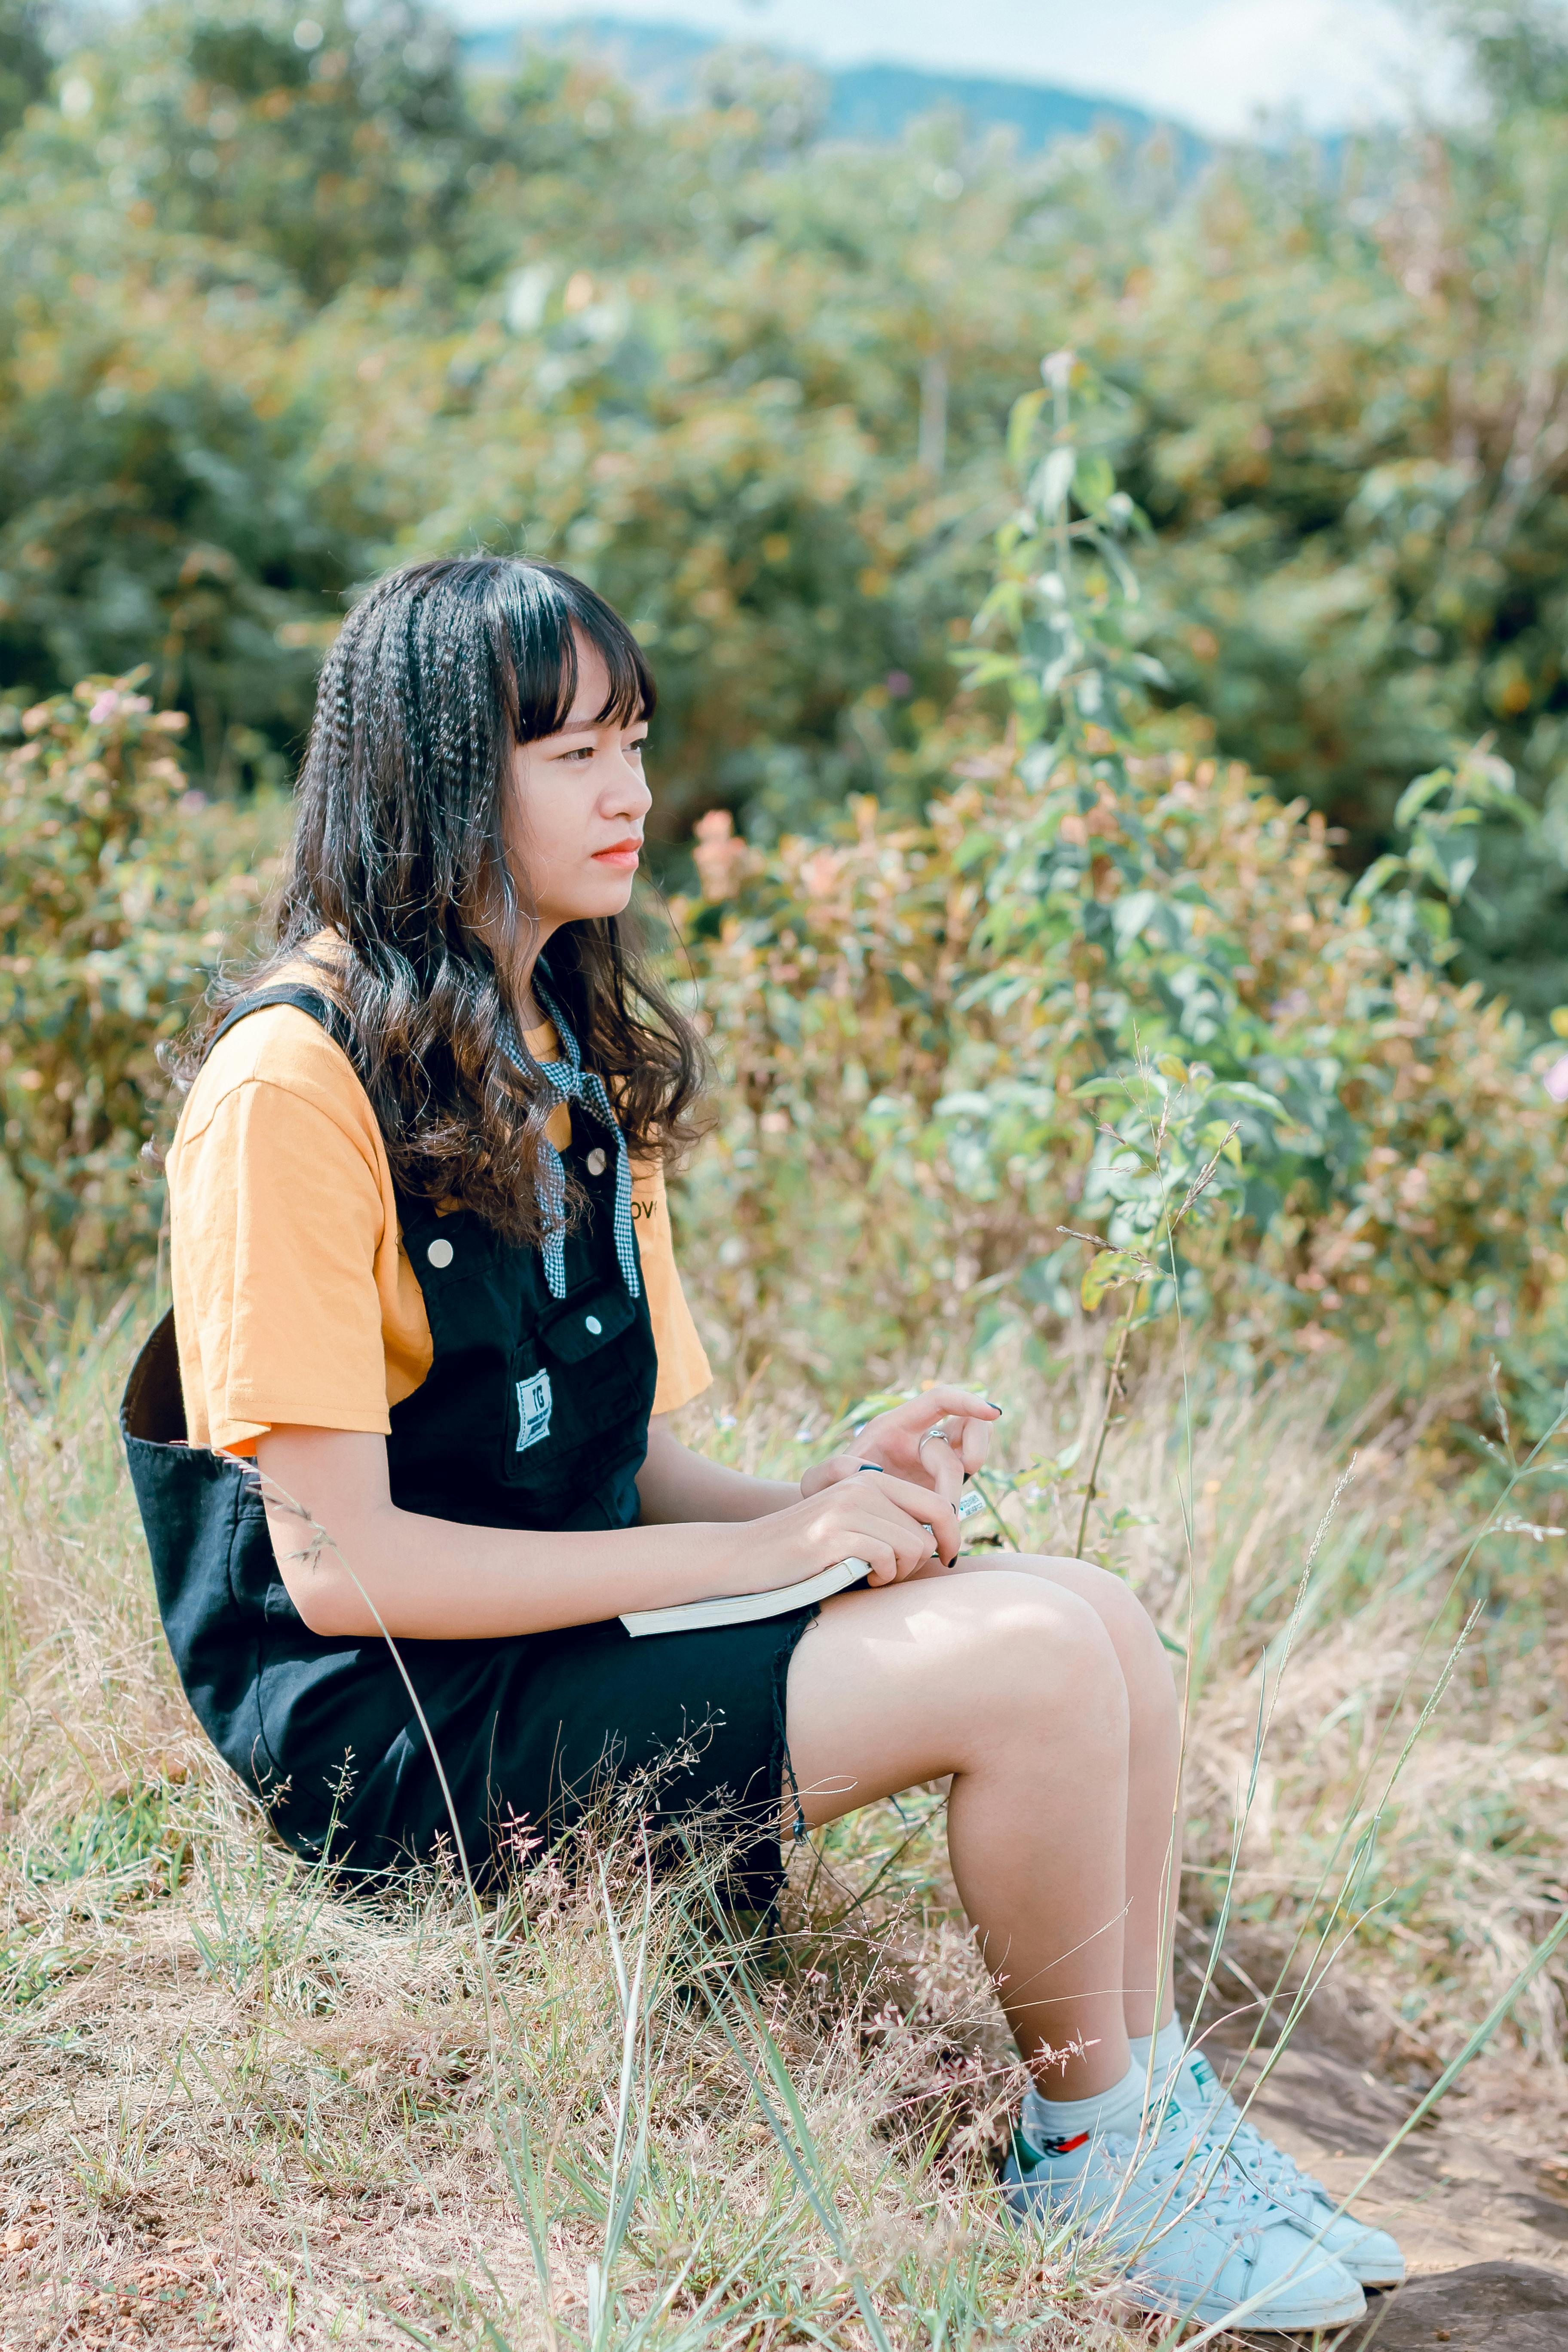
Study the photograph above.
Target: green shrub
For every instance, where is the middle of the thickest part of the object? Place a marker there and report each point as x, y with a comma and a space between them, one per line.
120, 889
917, 1022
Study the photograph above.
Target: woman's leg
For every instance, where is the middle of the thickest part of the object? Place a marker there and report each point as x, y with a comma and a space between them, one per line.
1010, 1682
1155, 1766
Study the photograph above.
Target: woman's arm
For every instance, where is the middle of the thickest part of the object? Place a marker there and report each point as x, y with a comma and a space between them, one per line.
675, 1484
354, 1565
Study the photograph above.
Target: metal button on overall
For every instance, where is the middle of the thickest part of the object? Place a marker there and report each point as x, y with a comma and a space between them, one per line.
592, 1323
439, 1253
596, 1161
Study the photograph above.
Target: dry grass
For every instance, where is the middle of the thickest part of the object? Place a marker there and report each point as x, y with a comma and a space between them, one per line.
243, 2109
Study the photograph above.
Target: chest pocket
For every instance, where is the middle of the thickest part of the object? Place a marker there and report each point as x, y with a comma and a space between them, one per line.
573, 1383
580, 1326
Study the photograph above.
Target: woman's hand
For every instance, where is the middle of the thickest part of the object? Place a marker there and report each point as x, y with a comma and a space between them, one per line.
894, 1525
937, 1439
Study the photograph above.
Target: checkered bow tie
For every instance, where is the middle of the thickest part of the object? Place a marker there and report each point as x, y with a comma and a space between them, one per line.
569, 1082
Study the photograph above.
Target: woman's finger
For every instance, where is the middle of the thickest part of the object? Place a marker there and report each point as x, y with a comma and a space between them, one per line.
837, 1467
880, 1558
914, 1544
938, 1458
943, 1465
894, 1511
935, 1518
932, 1404
975, 1446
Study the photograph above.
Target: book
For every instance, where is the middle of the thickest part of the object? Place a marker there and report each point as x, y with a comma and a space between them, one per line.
750, 1608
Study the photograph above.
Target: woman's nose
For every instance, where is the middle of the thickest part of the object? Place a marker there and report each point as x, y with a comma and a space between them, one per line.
630, 795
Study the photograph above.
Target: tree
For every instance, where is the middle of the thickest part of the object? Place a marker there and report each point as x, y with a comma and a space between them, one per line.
337, 144
25, 60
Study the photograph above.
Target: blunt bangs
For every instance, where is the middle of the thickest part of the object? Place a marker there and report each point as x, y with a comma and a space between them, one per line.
542, 612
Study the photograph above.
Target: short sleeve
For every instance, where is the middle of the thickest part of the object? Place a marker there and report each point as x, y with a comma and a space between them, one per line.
683, 1367
283, 1241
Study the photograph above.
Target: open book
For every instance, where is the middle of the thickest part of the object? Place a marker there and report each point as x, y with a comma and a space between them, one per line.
748, 1607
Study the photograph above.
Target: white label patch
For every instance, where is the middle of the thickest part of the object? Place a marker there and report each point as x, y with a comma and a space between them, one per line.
533, 1405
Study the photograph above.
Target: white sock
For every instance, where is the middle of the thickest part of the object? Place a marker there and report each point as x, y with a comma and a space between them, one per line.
1063, 2131
1157, 2056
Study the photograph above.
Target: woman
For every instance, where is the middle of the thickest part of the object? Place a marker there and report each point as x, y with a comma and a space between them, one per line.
424, 1284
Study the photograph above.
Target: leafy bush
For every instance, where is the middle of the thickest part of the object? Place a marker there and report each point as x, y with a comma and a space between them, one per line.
930, 1026
943, 1038
119, 890
278, 309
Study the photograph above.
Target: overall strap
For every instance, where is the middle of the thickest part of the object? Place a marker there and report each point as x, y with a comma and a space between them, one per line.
320, 1007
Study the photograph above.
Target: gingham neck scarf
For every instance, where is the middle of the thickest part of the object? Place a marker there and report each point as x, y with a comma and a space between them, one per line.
569, 1082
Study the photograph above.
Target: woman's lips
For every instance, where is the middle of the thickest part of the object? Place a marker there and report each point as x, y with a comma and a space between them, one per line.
623, 856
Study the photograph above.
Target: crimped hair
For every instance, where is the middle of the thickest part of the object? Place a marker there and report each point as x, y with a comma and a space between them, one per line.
399, 853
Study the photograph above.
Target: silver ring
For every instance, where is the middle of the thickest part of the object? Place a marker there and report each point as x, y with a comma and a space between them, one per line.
936, 1430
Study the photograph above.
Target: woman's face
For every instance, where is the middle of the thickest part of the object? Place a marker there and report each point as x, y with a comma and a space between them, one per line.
580, 802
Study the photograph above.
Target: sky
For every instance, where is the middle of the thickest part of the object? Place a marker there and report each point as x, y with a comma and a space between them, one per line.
1214, 64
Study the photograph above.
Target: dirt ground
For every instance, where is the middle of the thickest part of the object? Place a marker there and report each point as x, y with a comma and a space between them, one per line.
1478, 2194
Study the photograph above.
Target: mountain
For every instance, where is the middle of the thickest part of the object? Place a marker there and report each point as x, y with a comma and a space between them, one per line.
874, 102
869, 102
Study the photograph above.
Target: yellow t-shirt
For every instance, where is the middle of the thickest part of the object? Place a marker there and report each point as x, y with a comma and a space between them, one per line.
294, 1302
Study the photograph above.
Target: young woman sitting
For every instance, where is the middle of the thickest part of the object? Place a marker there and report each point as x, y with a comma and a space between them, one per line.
424, 1284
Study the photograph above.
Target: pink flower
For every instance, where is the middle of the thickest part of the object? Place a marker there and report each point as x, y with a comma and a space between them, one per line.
104, 709
720, 858
1556, 1079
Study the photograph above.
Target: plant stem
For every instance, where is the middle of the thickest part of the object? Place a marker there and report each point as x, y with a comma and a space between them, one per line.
1112, 1383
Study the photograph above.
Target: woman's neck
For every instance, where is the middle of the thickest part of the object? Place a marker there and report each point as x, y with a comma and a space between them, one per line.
531, 1012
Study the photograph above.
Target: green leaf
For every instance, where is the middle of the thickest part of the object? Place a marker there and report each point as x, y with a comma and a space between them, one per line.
1129, 914
1055, 479
1242, 1090
1021, 425
1415, 796
1110, 1269
1378, 875
1093, 481
985, 668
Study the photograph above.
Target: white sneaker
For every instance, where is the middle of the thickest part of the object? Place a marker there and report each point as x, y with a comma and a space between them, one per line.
1195, 2237
1370, 2255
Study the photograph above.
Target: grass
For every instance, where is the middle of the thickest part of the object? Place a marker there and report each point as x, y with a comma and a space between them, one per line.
244, 2108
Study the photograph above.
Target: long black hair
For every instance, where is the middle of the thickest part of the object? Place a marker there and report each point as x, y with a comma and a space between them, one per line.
400, 856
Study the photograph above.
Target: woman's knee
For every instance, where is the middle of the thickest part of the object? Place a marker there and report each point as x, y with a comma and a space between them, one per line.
1134, 1632
1040, 1644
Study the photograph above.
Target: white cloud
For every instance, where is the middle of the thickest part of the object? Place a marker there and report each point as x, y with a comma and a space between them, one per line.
1333, 62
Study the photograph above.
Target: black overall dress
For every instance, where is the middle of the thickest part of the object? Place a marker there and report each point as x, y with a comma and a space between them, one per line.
534, 1414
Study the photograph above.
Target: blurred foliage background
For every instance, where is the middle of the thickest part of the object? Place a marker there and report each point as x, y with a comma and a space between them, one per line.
284, 299
1111, 783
